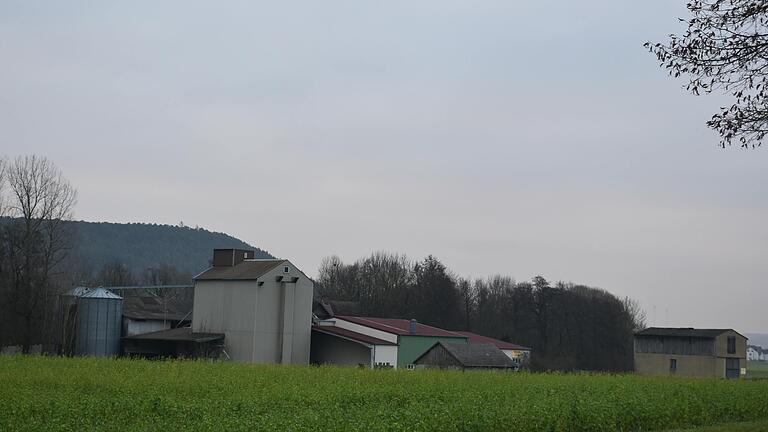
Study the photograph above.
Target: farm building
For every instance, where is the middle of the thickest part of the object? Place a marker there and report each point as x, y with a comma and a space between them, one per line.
756, 353
147, 314
690, 352
176, 342
467, 356
340, 346
262, 306
408, 338
517, 353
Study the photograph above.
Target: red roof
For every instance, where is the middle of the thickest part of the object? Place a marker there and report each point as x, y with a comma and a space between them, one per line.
400, 326
500, 344
349, 334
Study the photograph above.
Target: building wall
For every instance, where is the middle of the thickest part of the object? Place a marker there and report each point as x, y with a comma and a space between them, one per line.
410, 347
327, 349
437, 356
133, 327
687, 365
270, 323
385, 354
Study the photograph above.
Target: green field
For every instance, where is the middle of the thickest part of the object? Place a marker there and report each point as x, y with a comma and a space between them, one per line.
57, 394
757, 369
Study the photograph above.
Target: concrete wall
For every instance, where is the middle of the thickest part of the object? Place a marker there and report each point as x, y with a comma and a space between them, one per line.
270, 323
327, 349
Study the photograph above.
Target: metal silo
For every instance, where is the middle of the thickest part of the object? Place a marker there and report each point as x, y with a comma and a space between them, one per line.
99, 322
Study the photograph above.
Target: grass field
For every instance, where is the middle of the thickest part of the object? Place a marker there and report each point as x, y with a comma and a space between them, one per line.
757, 369
59, 394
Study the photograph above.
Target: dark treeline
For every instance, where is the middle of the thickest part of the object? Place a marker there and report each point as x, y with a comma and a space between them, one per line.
569, 326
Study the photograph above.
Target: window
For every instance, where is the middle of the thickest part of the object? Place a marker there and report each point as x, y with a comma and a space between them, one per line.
286, 269
731, 344
672, 366
411, 367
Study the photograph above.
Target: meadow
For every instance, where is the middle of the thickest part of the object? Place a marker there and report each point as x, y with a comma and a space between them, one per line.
77, 394
757, 369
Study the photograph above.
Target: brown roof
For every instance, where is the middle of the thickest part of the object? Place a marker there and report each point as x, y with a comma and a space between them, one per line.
155, 308
400, 326
246, 270
178, 334
688, 332
500, 344
349, 334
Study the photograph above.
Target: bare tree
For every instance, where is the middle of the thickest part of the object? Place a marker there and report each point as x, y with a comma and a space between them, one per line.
40, 201
725, 48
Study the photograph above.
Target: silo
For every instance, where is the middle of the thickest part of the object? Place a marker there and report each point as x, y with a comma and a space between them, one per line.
99, 319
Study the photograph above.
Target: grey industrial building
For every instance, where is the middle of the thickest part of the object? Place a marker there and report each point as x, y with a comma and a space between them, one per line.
263, 307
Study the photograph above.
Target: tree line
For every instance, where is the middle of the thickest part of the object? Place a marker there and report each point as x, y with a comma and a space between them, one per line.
37, 265
568, 326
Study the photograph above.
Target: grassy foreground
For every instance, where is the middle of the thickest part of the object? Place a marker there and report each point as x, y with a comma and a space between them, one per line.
60, 394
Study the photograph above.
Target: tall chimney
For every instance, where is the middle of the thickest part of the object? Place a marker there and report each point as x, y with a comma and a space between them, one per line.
413, 326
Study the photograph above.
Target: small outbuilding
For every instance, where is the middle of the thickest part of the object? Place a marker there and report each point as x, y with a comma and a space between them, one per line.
343, 347
465, 357
180, 342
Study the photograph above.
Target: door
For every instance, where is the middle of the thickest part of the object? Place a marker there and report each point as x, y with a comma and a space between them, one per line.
732, 368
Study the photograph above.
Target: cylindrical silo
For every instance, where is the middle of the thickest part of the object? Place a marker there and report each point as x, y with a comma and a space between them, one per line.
99, 322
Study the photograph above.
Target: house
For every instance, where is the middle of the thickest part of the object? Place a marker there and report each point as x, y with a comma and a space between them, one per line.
469, 356
178, 342
263, 307
410, 338
690, 352
754, 353
517, 353
147, 314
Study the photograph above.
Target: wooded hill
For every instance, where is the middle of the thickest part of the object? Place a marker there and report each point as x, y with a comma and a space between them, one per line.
140, 246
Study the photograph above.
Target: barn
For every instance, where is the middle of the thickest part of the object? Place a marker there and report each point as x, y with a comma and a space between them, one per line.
720, 353
469, 356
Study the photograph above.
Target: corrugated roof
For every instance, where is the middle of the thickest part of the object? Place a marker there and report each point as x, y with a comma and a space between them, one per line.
99, 293
500, 344
400, 326
156, 308
682, 332
178, 334
349, 334
78, 291
246, 270
475, 355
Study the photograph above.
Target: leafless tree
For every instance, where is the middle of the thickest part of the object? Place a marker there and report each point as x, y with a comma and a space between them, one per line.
725, 48
40, 201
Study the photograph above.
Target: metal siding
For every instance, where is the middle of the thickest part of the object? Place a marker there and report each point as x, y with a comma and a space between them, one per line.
98, 326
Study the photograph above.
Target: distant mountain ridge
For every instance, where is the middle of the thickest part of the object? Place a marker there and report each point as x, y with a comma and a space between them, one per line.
141, 246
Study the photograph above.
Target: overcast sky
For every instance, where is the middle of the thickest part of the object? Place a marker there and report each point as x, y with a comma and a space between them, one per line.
508, 137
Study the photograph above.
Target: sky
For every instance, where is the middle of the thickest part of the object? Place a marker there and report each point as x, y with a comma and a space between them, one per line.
521, 138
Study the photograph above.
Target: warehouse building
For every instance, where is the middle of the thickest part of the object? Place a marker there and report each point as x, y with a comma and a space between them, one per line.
718, 353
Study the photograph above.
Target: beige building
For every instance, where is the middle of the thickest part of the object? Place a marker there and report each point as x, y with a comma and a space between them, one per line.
719, 353
263, 307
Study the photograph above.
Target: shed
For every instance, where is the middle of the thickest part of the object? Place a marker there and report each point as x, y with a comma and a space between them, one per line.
340, 346
518, 353
146, 314
178, 342
465, 356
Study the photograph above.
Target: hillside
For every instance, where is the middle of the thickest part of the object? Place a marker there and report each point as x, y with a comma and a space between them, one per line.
141, 246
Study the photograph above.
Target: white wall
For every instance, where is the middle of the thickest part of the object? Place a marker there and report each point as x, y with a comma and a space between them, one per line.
385, 354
